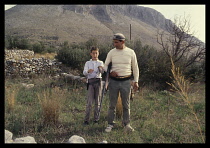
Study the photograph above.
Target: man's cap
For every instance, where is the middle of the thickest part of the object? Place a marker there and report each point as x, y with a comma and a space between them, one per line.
119, 36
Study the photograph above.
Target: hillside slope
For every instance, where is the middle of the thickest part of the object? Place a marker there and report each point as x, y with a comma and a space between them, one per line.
77, 23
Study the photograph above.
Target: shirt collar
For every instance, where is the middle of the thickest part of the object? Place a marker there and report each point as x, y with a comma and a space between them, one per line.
121, 49
92, 60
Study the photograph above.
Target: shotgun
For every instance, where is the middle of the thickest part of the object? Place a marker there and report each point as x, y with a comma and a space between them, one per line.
105, 85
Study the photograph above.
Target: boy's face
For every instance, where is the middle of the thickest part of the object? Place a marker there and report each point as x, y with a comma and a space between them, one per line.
94, 54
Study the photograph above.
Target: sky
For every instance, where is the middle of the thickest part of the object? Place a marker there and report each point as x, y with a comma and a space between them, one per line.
196, 13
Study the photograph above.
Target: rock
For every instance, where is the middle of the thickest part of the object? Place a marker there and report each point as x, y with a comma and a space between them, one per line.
18, 54
27, 139
24, 67
30, 86
27, 85
76, 139
104, 141
8, 136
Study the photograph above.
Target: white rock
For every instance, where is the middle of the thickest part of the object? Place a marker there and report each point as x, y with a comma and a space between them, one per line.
30, 86
27, 139
8, 136
76, 139
104, 141
27, 85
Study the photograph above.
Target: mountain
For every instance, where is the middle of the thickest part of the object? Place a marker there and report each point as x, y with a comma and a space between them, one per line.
77, 23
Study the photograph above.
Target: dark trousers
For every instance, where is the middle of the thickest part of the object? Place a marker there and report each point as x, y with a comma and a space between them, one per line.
124, 87
93, 96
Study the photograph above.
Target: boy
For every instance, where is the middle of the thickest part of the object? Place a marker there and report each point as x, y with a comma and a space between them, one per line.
93, 70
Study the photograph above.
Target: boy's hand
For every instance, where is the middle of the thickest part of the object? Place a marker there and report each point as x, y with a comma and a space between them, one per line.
90, 70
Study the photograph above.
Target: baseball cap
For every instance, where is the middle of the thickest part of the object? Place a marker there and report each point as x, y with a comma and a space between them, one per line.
119, 36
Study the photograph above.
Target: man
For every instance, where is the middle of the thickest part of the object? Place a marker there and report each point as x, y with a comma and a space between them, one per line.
124, 65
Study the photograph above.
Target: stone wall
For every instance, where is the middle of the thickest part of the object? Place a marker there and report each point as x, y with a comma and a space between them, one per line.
18, 65
28, 67
18, 54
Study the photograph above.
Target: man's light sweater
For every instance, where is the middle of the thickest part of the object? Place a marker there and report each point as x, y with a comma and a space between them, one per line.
123, 62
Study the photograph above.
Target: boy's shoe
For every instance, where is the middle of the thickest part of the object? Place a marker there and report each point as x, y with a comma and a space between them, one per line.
128, 128
96, 121
109, 128
86, 122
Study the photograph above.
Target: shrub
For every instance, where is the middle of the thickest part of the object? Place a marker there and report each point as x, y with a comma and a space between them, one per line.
154, 65
51, 101
74, 58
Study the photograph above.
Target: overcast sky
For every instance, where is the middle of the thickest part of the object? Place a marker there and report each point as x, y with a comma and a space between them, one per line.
195, 12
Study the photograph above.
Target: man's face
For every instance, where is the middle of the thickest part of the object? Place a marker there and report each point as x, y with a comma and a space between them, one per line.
118, 44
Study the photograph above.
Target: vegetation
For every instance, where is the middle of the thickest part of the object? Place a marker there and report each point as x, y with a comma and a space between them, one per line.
54, 114
182, 85
154, 65
15, 42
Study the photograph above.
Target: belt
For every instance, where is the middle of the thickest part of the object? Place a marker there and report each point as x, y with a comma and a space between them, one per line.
94, 78
121, 78
97, 80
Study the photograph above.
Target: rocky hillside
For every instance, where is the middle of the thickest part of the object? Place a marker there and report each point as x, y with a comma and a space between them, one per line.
77, 23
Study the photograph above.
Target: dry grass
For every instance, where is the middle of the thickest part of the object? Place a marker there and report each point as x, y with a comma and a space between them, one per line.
119, 108
11, 92
181, 85
50, 56
51, 103
11, 101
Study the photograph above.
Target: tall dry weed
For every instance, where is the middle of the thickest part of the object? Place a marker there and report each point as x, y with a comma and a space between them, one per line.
119, 107
11, 101
51, 101
11, 92
182, 85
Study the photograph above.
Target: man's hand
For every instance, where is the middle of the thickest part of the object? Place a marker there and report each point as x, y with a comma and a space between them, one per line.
113, 74
90, 70
135, 86
100, 68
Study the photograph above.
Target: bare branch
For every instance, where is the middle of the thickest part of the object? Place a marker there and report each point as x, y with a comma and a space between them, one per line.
181, 44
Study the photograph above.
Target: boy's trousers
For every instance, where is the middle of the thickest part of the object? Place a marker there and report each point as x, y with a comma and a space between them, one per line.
124, 87
93, 96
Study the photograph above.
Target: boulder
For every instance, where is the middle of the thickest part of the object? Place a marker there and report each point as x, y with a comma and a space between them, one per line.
8, 136
27, 139
76, 139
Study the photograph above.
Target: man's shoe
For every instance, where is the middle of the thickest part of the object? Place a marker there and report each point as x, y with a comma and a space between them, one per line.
128, 128
86, 122
109, 128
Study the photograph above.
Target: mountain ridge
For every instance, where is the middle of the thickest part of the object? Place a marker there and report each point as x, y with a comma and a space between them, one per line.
76, 23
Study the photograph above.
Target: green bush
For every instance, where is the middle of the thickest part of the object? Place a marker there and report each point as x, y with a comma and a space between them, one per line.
16, 42
73, 57
154, 66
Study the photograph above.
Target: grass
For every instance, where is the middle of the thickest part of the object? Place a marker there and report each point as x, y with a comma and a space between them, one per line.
181, 85
156, 116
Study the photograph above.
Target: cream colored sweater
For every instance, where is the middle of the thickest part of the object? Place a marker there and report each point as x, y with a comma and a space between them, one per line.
123, 62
